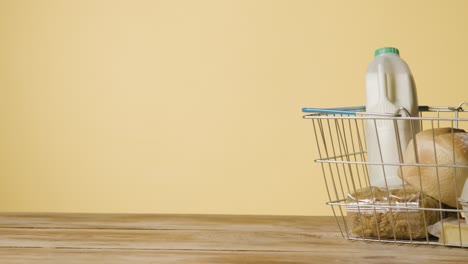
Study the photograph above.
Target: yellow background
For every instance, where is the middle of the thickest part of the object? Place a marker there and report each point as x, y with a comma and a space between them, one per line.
194, 106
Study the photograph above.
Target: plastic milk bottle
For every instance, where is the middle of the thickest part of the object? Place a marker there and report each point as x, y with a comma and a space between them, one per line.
389, 87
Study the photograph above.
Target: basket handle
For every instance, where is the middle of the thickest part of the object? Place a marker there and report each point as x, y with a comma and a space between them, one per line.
339, 110
353, 110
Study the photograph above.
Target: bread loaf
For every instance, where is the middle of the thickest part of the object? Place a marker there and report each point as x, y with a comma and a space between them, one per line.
441, 146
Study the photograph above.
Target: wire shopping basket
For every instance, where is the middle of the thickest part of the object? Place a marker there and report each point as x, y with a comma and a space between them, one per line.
427, 207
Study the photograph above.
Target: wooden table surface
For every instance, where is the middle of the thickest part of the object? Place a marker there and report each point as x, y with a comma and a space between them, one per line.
133, 238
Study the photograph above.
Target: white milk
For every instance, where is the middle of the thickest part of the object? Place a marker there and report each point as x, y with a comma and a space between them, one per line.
389, 86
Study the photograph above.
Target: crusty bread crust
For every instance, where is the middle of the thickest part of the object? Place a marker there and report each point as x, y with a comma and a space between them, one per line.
441, 146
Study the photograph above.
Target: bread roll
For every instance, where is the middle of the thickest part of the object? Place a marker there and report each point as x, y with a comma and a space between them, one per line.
442, 146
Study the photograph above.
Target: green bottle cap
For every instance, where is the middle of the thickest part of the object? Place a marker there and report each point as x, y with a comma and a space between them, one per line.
387, 50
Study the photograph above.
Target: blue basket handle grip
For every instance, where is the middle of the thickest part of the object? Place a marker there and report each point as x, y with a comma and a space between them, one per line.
351, 110
339, 110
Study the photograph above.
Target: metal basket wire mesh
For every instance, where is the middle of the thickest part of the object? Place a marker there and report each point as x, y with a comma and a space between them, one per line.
407, 214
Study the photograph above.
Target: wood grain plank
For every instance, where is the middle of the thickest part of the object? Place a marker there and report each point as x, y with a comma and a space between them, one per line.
164, 239
265, 242
378, 254
97, 238
170, 222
